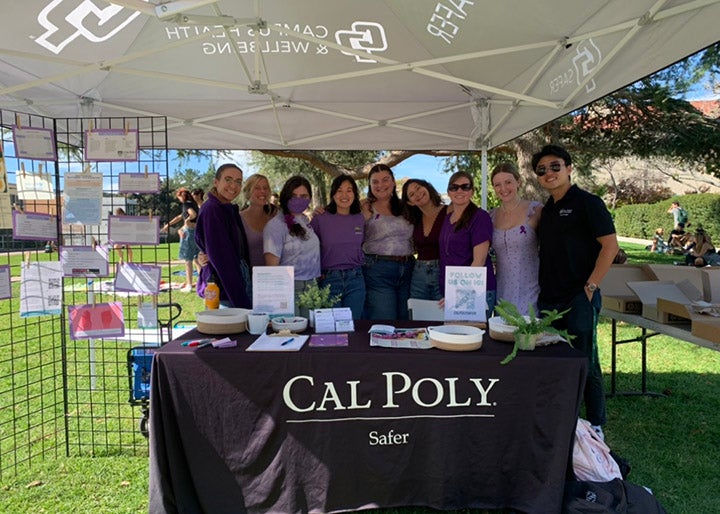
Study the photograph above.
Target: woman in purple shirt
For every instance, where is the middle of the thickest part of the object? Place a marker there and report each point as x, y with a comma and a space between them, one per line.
341, 231
466, 234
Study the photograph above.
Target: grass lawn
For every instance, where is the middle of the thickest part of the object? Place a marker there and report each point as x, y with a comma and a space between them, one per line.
672, 443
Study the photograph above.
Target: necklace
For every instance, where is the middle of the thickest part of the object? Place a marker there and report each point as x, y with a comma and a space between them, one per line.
511, 208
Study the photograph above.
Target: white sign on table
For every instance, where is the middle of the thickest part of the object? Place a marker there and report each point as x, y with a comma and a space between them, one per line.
465, 288
84, 261
274, 290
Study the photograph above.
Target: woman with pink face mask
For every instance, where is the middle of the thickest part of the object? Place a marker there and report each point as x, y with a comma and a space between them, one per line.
289, 240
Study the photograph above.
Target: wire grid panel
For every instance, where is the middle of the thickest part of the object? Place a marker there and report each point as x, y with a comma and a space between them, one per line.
71, 396
31, 393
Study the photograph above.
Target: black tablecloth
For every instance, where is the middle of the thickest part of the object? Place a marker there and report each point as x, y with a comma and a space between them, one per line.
345, 428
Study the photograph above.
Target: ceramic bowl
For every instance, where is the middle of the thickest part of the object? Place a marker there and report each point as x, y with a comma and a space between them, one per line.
222, 321
293, 324
456, 338
501, 331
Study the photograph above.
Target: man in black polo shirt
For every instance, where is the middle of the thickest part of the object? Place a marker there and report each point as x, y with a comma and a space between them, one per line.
577, 246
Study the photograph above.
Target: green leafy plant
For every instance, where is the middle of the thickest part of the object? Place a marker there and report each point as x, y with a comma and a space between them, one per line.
530, 324
316, 297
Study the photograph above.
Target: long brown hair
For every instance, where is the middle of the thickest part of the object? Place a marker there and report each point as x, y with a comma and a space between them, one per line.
413, 213
469, 211
396, 207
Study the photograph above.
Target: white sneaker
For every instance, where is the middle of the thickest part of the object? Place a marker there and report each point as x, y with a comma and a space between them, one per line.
598, 431
186, 289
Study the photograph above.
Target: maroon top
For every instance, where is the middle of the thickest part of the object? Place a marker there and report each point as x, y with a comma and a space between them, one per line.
427, 247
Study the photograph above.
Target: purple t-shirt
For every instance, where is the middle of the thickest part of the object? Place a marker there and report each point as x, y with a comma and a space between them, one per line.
341, 238
456, 248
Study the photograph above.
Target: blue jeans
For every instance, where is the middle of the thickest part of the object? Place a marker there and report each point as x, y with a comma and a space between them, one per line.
387, 288
350, 285
425, 282
491, 301
581, 322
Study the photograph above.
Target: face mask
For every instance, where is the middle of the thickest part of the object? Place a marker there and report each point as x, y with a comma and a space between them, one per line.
296, 205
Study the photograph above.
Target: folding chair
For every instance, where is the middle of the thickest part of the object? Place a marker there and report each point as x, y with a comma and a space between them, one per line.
425, 310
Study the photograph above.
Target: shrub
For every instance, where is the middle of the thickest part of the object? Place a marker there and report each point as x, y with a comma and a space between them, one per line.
641, 220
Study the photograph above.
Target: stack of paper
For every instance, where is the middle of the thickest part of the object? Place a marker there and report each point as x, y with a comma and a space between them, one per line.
276, 343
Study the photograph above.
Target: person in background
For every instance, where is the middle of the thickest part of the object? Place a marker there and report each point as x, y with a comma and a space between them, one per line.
255, 215
679, 238
679, 214
658, 242
699, 249
466, 235
188, 249
515, 240
198, 195
289, 240
577, 247
220, 235
425, 210
119, 248
341, 229
388, 248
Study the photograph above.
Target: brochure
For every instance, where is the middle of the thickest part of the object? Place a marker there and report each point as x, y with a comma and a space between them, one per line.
388, 336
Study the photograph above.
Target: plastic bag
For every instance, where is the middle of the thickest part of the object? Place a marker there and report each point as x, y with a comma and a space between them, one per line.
592, 461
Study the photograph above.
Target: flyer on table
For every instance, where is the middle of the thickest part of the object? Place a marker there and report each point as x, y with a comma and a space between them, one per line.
465, 288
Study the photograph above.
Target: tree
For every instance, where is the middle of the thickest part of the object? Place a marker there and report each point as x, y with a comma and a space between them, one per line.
320, 168
647, 119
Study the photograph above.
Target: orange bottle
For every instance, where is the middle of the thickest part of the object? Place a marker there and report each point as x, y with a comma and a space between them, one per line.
212, 294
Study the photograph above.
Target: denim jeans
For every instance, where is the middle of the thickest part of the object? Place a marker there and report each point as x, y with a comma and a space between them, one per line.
581, 322
490, 301
387, 288
350, 285
425, 282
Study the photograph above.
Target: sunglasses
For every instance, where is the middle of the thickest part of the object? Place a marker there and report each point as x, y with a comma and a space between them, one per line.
465, 187
555, 167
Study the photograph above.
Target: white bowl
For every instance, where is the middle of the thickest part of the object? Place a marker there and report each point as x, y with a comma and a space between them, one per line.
294, 324
456, 338
222, 321
500, 330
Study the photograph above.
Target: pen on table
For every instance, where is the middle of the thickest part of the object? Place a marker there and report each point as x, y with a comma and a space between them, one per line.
288, 341
203, 345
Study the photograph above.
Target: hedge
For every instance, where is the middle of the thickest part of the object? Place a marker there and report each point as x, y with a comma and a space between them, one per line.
641, 220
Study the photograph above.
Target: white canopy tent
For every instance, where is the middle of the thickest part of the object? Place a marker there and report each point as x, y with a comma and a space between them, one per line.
340, 74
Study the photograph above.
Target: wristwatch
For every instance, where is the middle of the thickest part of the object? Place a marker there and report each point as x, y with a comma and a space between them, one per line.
591, 286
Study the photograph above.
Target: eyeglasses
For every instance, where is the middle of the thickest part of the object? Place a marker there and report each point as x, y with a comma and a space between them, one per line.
555, 167
467, 186
229, 180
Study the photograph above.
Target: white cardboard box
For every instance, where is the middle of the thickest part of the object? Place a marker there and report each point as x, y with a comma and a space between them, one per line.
711, 284
675, 274
616, 295
650, 291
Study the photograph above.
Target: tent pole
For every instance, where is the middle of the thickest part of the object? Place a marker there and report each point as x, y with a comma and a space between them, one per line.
484, 166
